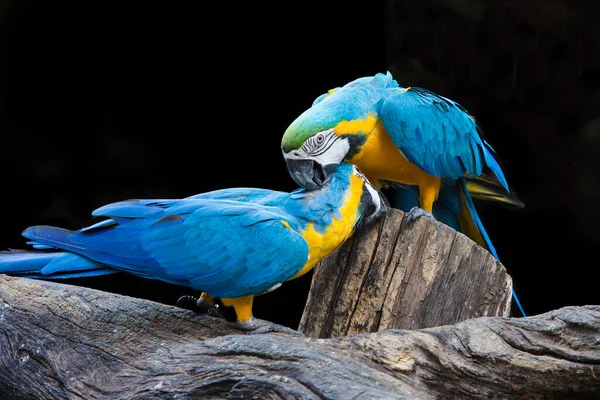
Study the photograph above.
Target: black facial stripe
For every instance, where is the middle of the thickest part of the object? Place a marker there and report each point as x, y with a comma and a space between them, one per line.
366, 204
360, 174
356, 142
327, 146
313, 148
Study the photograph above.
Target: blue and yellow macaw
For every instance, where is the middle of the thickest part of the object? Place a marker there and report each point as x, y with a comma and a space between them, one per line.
230, 244
426, 143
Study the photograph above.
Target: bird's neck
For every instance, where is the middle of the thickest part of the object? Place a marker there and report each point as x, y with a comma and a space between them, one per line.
334, 213
381, 160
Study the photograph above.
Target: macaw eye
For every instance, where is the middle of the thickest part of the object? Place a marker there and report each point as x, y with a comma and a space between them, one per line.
320, 138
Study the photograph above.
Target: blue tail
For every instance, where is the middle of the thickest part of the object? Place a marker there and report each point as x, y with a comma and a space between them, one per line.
40, 264
454, 208
46, 262
468, 201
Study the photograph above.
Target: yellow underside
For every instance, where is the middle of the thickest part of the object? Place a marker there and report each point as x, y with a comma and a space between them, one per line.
381, 160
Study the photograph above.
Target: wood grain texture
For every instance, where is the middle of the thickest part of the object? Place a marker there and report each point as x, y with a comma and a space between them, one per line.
65, 342
389, 275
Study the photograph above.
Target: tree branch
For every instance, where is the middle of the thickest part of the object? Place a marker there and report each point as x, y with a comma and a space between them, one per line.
389, 275
66, 342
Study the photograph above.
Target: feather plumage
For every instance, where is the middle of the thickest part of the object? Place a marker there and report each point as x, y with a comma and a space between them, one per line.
230, 243
412, 137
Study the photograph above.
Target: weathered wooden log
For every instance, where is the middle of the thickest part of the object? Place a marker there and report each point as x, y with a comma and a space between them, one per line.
389, 275
66, 342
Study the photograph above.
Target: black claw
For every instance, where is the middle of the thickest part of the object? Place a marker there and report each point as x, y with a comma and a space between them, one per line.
215, 310
187, 302
202, 305
209, 305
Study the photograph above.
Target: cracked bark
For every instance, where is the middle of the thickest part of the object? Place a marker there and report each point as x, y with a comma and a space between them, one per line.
66, 342
389, 276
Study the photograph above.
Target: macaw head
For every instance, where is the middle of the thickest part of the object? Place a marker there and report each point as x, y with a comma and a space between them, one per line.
333, 129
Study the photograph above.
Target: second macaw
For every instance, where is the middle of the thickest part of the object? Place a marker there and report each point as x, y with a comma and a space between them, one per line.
426, 143
232, 244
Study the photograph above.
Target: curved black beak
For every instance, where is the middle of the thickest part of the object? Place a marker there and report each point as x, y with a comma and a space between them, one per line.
308, 173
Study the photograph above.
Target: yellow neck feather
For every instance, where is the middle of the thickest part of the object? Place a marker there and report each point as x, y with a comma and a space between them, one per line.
354, 127
322, 244
380, 160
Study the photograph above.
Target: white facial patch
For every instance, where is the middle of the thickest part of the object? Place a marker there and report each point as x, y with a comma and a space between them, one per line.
324, 148
335, 153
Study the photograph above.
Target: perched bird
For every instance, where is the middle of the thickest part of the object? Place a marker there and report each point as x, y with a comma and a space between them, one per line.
231, 244
427, 144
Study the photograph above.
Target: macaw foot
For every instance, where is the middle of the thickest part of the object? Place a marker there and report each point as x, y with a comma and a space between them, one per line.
246, 321
415, 213
205, 304
255, 326
189, 303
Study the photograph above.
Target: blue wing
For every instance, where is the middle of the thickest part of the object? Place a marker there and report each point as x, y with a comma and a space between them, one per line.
254, 195
226, 248
437, 134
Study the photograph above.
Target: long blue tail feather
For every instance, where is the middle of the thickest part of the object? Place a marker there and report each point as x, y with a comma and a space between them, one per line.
40, 264
74, 275
494, 166
129, 256
486, 238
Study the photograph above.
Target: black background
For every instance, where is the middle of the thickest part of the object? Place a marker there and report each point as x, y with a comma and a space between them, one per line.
101, 102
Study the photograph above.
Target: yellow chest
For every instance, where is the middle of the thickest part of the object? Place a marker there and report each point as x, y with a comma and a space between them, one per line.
380, 159
321, 244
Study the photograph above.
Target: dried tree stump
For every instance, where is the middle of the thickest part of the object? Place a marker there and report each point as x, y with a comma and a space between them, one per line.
60, 341
388, 275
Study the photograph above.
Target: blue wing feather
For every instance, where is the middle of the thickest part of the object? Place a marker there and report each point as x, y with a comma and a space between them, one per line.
437, 134
493, 164
202, 243
128, 209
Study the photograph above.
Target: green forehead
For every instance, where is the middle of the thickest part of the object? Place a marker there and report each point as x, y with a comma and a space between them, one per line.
344, 105
302, 128
354, 101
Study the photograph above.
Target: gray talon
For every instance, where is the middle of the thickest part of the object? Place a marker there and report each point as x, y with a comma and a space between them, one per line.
415, 213
257, 326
